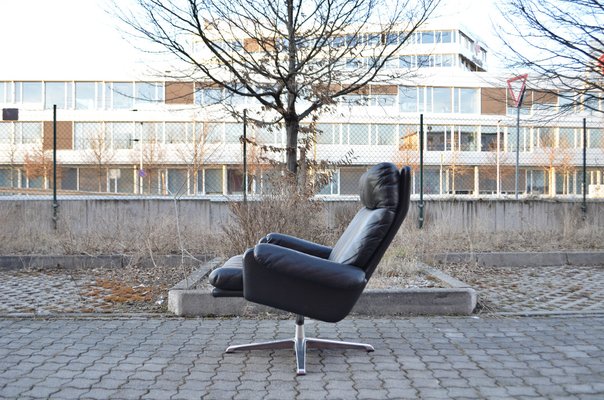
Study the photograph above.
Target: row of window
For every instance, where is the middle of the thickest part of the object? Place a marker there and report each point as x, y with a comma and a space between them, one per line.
123, 135
438, 180
134, 95
83, 95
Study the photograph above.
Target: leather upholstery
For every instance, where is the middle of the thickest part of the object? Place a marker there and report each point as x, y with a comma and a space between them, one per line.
313, 280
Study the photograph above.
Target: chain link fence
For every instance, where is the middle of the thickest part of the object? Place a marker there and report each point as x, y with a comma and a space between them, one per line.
472, 157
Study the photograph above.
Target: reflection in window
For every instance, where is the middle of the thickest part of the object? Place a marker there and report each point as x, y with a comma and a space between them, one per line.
467, 100
148, 93
435, 138
441, 100
383, 134
121, 95
467, 138
213, 181
28, 92
407, 98
567, 138
85, 95
59, 94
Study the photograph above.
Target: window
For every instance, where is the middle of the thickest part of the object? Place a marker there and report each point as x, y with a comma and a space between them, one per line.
566, 138
383, 134
427, 37
467, 101
596, 139
234, 181
176, 132
213, 181
3, 92
265, 135
123, 134
424, 61
406, 61
119, 95
328, 134
435, 138
59, 93
177, 181
208, 96
349, 180
28, 132
332, 186
407, 99
488, 138
86, 134
213, 133
28, 92
358, 134
6, 132
149, 93
468, 138
233, 133
85, 95
441, 100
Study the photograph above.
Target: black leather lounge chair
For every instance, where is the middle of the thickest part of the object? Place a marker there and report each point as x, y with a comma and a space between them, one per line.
316, 281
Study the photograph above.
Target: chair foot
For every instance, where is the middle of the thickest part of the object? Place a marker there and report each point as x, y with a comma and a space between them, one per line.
300, 343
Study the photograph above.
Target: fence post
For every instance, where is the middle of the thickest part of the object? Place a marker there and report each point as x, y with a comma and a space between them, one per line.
245, 156
55, 205
584, 205
421, 171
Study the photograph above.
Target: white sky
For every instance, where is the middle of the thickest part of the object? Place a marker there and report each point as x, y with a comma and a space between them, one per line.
76, 39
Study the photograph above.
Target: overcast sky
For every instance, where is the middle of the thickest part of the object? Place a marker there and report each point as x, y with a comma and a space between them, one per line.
74, 39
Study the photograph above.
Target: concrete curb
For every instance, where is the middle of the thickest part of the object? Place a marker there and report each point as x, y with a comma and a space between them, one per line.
455, 299
16, 262
525, 259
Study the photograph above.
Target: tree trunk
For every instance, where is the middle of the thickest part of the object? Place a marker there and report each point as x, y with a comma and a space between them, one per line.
291, 130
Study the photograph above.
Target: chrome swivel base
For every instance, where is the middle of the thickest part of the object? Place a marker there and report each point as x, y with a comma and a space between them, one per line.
300, 343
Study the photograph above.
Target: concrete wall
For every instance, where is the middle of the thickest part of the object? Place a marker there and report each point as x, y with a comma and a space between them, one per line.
78, 217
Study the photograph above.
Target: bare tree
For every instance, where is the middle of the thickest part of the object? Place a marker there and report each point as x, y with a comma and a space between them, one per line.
100, 153
293, 57
37, 163
562, 43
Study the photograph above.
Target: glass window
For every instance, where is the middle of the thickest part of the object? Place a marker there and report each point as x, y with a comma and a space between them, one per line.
441, 100
3, 91
349, 180
566, 138
148, 93
177, 181
234, 181
468, 138
423, 61
84, 132
6, 133
427, 37
326, 134
265, 135
435, 138
122, 95
445, 37
596, 139
406, 61
176, 132
468, 101
407, 98
58, 93
488, 138
233, 133
358, 134
332, 186
85, 95
29, 132
29, 92
384, 134
123, 134
213, 181
213, 133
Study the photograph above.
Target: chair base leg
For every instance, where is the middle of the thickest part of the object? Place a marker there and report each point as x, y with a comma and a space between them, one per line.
300, 343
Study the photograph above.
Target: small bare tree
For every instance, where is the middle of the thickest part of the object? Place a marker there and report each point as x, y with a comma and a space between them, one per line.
101, 153
37, 163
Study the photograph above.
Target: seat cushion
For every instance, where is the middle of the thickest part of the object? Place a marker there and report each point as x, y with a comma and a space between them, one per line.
229, 276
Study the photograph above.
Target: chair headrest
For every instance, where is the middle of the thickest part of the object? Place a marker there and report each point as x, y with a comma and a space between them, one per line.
379, 186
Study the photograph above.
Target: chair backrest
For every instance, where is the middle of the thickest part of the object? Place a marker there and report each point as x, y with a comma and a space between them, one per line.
385, 194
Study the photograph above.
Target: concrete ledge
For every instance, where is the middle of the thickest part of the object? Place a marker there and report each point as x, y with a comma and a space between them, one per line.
14, 262
525, 259
455, 299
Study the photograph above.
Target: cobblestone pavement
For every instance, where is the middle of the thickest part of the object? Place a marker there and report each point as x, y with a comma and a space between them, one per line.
429, 358
540, 289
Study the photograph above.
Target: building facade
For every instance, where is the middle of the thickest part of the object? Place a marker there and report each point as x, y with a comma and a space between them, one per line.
149, 136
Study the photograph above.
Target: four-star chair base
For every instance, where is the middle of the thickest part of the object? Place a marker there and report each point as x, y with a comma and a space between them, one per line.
300, 343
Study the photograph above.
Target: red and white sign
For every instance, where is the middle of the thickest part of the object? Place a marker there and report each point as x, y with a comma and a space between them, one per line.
516, 88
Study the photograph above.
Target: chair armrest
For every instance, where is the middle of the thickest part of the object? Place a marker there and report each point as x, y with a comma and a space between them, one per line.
304, 267
292, 242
